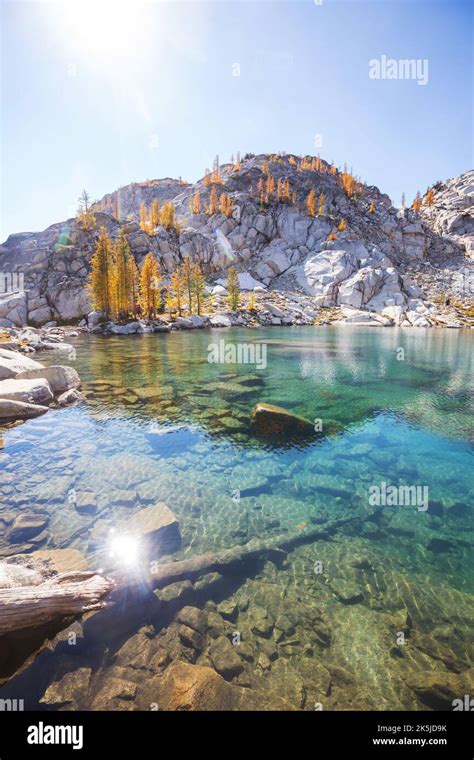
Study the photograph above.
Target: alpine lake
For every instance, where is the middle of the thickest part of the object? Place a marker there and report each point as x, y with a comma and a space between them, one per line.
373, 613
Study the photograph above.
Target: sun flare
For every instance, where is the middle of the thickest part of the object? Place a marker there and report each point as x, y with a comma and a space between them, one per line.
104, 30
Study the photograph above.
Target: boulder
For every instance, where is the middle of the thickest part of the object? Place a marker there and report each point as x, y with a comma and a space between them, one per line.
62, 560
129, 329
60, 378
37, 391
196, 687
224, 658
274, 421
220, 320
69, 689
19, 410
13, 363
68, 397
26, 527
159, 527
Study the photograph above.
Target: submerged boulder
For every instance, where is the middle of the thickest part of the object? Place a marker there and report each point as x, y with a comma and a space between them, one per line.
274, 421
159, 527
197, 687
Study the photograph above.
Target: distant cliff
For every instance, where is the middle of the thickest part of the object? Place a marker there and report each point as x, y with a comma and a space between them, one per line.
373, 264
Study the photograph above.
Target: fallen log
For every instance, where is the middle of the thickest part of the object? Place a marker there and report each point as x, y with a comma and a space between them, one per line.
60, 596
192, 568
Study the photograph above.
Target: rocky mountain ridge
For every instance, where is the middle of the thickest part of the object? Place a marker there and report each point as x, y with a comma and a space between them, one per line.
408, 267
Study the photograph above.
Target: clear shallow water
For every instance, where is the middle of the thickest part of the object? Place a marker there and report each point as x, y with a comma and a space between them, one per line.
162, 424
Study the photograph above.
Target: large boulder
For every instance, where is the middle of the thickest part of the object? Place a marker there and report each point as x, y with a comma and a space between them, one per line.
13, 363
37, 391
274, 421
19, 410
196, 687
59, 377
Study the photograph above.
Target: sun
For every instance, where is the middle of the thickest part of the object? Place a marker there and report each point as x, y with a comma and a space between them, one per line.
103, 30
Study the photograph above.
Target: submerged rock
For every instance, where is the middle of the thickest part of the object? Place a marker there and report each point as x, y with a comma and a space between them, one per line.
26, 527
274, 421
69, 689
159, 526
224, 658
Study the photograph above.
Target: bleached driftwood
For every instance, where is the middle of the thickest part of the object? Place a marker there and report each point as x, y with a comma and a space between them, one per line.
63, 595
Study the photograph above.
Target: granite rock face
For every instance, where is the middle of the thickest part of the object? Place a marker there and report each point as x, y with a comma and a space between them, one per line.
277, 246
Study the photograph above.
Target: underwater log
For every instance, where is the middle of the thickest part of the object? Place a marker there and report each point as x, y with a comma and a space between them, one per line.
192, 568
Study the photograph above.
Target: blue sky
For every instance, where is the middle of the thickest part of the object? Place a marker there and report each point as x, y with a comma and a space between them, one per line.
97, 95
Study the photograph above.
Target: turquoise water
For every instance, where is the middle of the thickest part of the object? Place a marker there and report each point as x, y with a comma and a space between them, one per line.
160, 423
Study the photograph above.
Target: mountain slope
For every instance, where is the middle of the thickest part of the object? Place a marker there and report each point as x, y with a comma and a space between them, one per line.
368, 266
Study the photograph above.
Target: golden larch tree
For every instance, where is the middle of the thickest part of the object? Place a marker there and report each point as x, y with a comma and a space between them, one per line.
199, 286
100, 281
321, 204
134, 279
233, 290
311, 203
195, 204
213, 202
143, 217
177, 284
121, 279
150, 281
168, 217
342, 225
187, 271
429, 197
155, 213
416, 205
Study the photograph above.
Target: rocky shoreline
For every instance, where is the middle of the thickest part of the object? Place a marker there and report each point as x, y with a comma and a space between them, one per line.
27, 387
285, 309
